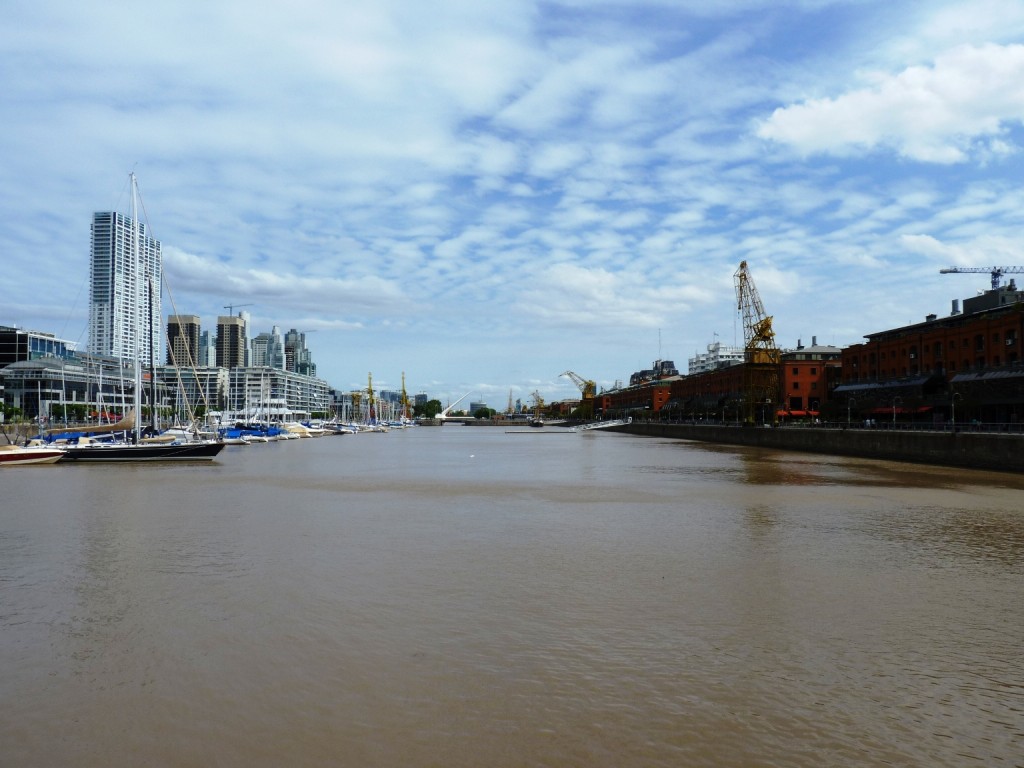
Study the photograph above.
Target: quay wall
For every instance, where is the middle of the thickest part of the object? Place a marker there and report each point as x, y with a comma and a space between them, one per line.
955, 449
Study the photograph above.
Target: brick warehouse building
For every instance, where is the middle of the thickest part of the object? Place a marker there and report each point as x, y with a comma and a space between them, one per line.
806, 377
966, 365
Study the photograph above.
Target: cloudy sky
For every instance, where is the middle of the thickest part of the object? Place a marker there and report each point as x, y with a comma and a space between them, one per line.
486, 194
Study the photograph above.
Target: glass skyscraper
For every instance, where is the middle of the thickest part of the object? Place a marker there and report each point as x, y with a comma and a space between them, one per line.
124, 296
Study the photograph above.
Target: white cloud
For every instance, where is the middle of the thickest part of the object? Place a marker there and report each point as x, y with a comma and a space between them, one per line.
943, 113
500, 174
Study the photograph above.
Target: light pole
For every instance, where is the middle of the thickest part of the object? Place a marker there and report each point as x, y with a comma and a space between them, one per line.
952, 408
849, 404
895, 400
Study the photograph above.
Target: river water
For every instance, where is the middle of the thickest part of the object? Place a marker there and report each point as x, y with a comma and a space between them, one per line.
464, 596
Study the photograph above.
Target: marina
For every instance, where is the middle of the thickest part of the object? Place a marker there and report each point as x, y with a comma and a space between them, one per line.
463, 597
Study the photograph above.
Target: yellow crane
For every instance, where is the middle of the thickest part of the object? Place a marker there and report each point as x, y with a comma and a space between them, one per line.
538, 407
371, 405
762, 357
588, 389
405, 399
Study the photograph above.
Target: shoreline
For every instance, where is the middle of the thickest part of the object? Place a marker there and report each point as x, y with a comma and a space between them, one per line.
967, 450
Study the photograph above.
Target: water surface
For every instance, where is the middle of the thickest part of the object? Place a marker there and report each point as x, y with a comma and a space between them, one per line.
466, 597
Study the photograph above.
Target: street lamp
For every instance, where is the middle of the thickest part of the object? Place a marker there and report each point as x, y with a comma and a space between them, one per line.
895, 400
849, 404
952, 408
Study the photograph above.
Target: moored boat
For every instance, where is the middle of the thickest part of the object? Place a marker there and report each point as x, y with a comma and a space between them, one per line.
95, 451
17, 455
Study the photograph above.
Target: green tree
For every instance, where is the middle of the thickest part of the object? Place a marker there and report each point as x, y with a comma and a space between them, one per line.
428, 410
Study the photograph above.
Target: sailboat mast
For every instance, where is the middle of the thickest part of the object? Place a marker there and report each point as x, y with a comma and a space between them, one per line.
137, 302
152, 360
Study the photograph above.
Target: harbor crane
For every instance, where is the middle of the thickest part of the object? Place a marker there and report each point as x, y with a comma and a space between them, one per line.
538, 405
762, 358
995, 272
588, 388
406, 411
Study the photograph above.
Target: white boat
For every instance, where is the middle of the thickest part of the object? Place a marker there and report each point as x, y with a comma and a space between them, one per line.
17, 455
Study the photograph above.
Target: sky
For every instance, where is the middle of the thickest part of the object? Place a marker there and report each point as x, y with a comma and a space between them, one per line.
484, 195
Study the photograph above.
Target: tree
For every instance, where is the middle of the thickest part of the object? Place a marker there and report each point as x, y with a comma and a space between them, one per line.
428, 410
483, 413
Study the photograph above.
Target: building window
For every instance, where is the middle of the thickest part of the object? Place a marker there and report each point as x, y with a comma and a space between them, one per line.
796, 385
814, 371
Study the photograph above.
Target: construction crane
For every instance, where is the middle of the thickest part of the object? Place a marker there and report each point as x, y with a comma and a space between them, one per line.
762, 357
231, 307
405, 399
588, 389
538, 406
996, 272
371, 416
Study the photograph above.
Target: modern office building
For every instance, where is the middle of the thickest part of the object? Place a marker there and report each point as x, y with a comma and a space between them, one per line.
267, 349
125, 319
19, 344
298, 359
207, 349
717, 356
231, 342
183, 340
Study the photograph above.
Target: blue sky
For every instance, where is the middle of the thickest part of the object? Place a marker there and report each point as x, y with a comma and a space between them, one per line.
484, 195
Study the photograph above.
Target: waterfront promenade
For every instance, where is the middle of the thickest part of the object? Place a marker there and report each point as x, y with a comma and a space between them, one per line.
1002, 451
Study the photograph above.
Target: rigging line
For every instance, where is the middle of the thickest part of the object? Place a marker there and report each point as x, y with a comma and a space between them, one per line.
71, 311
191, 362
170, 297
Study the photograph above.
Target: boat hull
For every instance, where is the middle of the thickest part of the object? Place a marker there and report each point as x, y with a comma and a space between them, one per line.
14, 456
174, 452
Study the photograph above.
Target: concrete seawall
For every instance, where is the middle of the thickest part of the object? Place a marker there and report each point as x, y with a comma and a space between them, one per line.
961, 449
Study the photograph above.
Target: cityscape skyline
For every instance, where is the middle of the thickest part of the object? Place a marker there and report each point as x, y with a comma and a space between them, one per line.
484, 197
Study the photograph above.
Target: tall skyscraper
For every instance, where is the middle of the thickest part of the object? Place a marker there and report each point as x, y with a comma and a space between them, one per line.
183, 340
231, 342
298, 359
125, 319
207, 349
267, 349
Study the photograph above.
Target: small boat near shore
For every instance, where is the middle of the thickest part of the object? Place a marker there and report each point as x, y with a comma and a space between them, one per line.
18, 455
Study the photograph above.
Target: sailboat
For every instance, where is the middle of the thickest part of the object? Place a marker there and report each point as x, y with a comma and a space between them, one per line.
88, 449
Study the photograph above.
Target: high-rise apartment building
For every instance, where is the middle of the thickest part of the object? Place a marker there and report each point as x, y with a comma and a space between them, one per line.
183, 340
124, 288
267, 349
231, 342
207, 349
298, 359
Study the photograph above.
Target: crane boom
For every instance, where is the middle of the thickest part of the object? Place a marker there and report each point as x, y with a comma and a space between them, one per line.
761, 369
588, 387
996, 272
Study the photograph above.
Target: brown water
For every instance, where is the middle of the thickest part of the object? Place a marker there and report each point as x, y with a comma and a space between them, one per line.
464, 597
